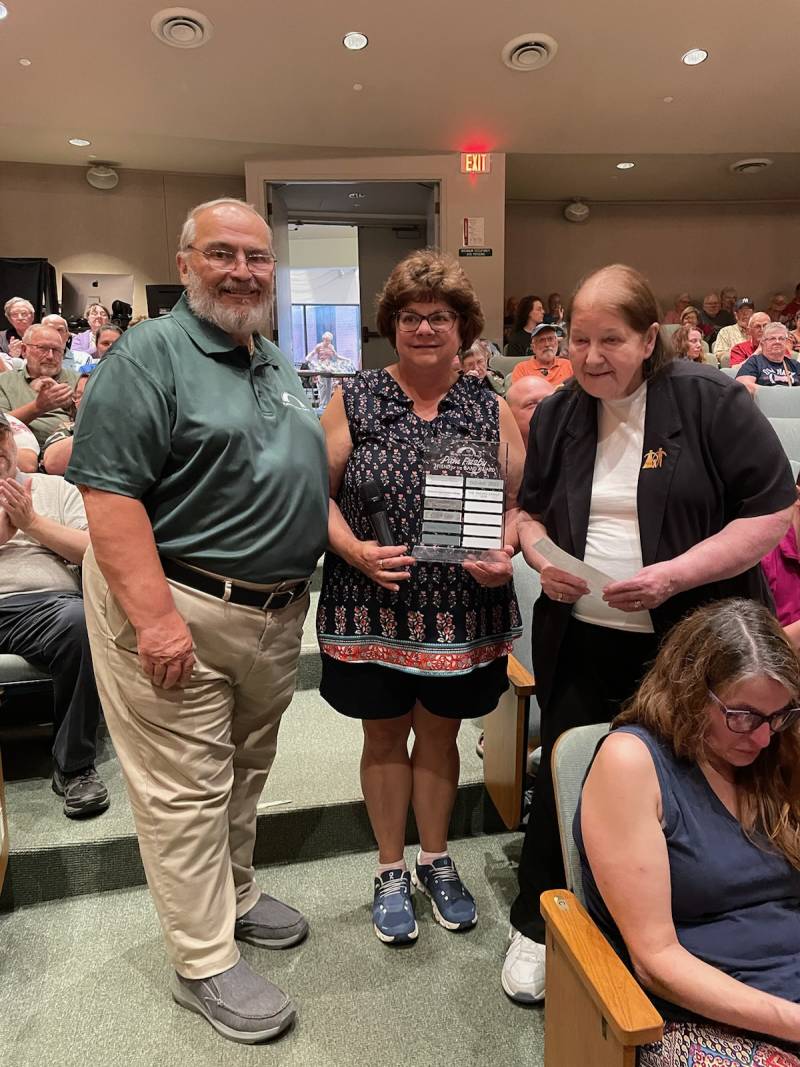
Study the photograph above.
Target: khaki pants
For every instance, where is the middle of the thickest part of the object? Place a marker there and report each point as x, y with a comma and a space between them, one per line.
196, 759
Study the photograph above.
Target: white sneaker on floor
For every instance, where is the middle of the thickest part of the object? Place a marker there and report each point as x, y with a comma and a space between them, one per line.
523, 969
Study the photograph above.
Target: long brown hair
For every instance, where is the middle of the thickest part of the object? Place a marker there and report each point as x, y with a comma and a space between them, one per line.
631, 297
713, 648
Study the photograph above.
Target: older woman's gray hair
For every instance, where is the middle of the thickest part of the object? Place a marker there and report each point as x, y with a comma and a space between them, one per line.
18, 301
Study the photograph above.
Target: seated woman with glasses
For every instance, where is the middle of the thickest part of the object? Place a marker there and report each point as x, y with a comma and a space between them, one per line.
688, 831
411, 645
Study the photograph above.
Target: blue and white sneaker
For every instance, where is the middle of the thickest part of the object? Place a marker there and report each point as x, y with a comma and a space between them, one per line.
453, 905
393, 918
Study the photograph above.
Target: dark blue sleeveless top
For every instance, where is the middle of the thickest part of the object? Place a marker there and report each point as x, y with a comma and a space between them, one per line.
735, 905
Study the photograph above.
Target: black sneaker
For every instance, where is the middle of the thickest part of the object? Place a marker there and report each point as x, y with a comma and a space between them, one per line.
84, 792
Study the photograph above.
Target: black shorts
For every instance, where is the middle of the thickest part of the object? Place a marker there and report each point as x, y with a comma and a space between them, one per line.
372, 691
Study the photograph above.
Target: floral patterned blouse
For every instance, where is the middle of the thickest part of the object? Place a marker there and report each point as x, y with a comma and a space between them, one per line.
441, 621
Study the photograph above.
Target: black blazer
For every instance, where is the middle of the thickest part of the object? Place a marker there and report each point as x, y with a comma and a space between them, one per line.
709, 456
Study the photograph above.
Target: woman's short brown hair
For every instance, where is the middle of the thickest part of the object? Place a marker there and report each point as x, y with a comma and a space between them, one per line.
424, 277
630, 295
680, 340
715, 647
690, 309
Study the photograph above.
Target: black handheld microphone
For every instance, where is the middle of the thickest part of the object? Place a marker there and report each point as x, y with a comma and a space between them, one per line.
371, 495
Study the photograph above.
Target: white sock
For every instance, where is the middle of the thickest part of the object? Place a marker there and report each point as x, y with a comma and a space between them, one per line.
428, 857
397, 865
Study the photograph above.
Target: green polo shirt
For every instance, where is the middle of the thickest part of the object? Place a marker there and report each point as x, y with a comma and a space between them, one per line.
221, 448
16, 391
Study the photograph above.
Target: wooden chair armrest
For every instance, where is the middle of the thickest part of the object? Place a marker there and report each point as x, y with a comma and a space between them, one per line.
520, 678
618, 997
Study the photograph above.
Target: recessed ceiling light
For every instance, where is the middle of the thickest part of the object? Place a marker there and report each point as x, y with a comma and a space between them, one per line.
358, 87
694, 57
355, 41
79, 142
668, 99
24, 62
3, 11
625, 166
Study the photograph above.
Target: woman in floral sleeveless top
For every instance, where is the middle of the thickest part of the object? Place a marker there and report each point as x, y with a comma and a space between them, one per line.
409, 645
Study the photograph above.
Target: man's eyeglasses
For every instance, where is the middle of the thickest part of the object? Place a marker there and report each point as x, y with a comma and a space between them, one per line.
747, 722
57, 350
440, 321
224, 259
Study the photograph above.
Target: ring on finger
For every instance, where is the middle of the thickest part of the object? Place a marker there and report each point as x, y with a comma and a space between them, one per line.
559, 597
380, 564
637, 605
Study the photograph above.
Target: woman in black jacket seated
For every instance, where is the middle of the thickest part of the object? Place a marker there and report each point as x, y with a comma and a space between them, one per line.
663, 476
688, 831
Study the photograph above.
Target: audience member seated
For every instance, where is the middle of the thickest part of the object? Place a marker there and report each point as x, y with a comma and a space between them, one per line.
777, 307
688, 831
523, 398
728, 297
781, 568
530, 313
545, 361
794, 332
104, 339
673, 316
556, 314
773, 366
57, 449
475, 363
792, 309
729, 336
96, 315
20, 313
43, 536
687, 343
28, 448
745, 349
41, 394
710, 322
59, 324
690, 316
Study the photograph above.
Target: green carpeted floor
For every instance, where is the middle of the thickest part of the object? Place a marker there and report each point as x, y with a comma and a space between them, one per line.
85, 981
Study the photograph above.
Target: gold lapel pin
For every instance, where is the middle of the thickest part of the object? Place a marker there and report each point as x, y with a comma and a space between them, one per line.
653, 460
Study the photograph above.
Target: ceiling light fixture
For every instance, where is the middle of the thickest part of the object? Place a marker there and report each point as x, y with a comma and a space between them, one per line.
668, 99
625, 166
355, 41
79, 142
3, 11
694, 57
750, 166
24, 62
358, 87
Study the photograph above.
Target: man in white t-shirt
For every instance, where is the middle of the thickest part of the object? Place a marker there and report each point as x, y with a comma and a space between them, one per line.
43, 536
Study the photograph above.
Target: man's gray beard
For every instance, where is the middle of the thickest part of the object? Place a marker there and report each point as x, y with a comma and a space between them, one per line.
234, 321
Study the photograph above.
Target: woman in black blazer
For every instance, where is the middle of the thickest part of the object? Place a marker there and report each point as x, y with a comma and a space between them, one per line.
662, 474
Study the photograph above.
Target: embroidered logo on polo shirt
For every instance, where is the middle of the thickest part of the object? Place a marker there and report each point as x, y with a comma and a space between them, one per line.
292, 401
653, 460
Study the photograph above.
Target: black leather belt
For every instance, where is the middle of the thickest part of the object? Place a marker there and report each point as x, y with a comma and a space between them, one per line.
284, 593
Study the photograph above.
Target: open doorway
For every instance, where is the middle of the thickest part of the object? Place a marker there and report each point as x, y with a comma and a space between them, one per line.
336, 243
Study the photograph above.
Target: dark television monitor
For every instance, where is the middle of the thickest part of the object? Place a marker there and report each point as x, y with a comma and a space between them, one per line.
80, 290
161, 299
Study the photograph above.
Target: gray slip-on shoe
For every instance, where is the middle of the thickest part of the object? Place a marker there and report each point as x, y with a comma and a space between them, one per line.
271, 924
239, 1004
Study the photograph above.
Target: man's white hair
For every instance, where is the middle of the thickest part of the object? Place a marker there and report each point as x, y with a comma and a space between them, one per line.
18, 301
189, 231
774, 327
29, 334
51, 320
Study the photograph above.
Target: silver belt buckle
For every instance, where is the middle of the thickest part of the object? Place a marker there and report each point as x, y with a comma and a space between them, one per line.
278, 589
296, 590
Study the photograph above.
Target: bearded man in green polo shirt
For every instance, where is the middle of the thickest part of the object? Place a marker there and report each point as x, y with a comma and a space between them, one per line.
205, 482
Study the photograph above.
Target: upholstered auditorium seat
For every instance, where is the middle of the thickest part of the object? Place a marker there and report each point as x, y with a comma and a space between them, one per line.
17, 675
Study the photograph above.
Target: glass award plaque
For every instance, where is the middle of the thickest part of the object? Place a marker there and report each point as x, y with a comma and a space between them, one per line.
463, 500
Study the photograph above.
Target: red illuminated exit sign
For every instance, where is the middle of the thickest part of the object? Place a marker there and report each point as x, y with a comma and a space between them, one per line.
476, 162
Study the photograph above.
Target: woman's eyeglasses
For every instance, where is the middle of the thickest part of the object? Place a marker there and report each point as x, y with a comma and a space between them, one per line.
747, 722
440, 321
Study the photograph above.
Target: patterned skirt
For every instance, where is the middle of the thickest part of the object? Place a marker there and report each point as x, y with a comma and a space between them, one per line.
707, 1045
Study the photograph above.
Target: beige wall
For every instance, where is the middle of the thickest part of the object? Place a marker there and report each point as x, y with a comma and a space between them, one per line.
679, 246
461, 195
51, 212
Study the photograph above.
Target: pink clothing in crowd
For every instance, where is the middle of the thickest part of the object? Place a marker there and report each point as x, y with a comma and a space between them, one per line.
782, 569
